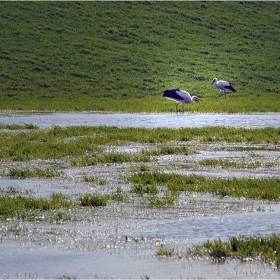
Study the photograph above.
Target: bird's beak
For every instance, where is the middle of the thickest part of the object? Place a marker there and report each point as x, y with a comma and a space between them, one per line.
212, 83
198, 101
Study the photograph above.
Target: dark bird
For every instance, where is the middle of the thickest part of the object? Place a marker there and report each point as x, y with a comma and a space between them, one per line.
180, 96
223, 86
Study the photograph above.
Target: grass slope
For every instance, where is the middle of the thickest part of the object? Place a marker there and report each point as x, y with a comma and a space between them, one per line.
120, 56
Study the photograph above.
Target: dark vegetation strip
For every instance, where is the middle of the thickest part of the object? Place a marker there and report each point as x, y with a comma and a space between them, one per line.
244, 248
263, 189
21, 206
27, 207
16, 173
168, 150
18, 126
120, 158
109, 158
80, 142
94, 200
249, 248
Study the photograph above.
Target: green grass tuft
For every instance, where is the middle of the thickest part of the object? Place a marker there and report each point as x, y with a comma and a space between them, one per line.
263, 189
168, 150
16, 173
29, 207
93, 200
163, 252
244, 248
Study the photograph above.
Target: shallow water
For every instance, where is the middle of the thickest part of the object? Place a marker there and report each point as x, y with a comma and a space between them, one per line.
143, 120
201, 229
104, 244
122, 240
123, 258
83, 265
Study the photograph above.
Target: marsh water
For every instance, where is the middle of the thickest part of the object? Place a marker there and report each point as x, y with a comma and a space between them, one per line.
122, 239
48, 120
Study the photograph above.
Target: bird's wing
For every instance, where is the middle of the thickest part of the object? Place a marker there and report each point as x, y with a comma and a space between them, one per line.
184, 95
227, 86
171, 94
177, 95
222, 85
230, 87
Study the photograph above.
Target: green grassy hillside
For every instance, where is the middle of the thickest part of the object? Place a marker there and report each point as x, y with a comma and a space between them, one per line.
120, 56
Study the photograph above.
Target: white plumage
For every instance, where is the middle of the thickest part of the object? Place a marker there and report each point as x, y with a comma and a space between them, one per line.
180, 96
223, 86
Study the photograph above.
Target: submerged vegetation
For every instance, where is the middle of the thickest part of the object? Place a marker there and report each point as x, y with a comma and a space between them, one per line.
83, 145
94, 200
31, 208
230, 164
16, 173
27, 207
146, 184
244, 248
266, 249
263, 189
168, 150
109, 158
120, 56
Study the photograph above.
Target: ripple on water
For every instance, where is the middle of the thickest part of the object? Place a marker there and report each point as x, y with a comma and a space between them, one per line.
81, 265
197, 230
144, 120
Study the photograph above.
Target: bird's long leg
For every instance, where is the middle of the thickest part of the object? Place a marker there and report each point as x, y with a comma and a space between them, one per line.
177, 107
183, 108
223, 93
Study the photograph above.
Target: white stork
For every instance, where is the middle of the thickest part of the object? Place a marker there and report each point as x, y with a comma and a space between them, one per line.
180, 96
223, 86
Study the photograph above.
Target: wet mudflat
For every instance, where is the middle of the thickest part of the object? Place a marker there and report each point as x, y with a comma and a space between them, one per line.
122, 239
